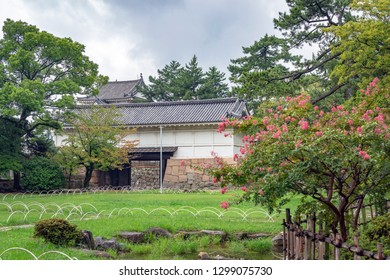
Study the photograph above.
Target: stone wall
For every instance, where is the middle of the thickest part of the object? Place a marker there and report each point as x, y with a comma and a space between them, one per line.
145, 174
6, 185
180, 174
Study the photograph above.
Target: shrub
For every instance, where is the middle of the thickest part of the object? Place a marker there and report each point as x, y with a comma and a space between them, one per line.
40, 173
57, 231
379, 231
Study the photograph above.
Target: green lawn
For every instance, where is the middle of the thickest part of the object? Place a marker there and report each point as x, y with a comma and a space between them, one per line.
107, 213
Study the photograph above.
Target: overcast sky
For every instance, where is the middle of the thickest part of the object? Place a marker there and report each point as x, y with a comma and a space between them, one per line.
129, 37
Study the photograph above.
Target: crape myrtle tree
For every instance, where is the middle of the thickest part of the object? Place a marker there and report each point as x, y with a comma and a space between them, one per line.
337, 158
95, 140
189, 82
39, 76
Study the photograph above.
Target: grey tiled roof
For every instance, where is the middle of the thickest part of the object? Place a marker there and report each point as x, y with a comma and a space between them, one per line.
153, 150
115, 91
180, 112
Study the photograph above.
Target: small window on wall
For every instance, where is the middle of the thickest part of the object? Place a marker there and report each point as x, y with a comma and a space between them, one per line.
9, 175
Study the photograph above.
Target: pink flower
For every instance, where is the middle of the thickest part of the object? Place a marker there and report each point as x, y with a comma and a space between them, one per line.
304, 124
270, 127
224, 190
235, 157
302, 103
359, 130
215, 180
380, 118
242, 150
350, 122
221, 127
182, 162
316, 108
224, 205
298, 144
364, 155
244, 189
366, 116
265, 120
319, 133
261, 192
277, 134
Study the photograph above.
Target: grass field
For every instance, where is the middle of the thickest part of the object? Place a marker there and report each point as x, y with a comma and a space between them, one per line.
107, 213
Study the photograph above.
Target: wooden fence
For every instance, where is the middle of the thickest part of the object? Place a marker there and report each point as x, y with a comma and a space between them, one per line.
309, 240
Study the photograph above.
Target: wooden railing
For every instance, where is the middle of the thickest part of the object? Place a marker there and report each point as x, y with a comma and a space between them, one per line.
308, 240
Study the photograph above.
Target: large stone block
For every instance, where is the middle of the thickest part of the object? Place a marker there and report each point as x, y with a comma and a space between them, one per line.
183, 178
171, 178
175, 170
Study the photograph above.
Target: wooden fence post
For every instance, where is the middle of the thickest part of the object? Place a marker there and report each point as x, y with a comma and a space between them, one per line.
371, 212
364, 215
337, 247
320, 243
380, 251
297, 241
284, 240
356, 243
313, 240
327, 245
292, 243
307, 243
288, 224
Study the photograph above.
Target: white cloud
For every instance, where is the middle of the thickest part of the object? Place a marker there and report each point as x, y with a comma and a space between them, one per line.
129, 37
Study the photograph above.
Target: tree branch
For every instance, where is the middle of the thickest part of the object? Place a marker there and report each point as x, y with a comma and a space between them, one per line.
330, 92
298, 74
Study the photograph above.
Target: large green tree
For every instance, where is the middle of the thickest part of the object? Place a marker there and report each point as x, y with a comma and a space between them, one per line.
39, 76
364, 44
95, 140
10, 148
269, 67
188, 82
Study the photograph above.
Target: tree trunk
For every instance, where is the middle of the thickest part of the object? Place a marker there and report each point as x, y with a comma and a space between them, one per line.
343, 227
17, 186
88, 176
357, 214
69, 178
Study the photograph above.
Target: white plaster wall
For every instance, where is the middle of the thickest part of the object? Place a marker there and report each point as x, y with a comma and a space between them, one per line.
192, 141
59, 140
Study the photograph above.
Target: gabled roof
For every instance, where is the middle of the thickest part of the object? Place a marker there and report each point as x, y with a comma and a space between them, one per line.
179, 112
114, 92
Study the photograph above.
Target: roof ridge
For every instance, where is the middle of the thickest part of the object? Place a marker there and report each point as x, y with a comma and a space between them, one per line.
127, 81
181, 102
